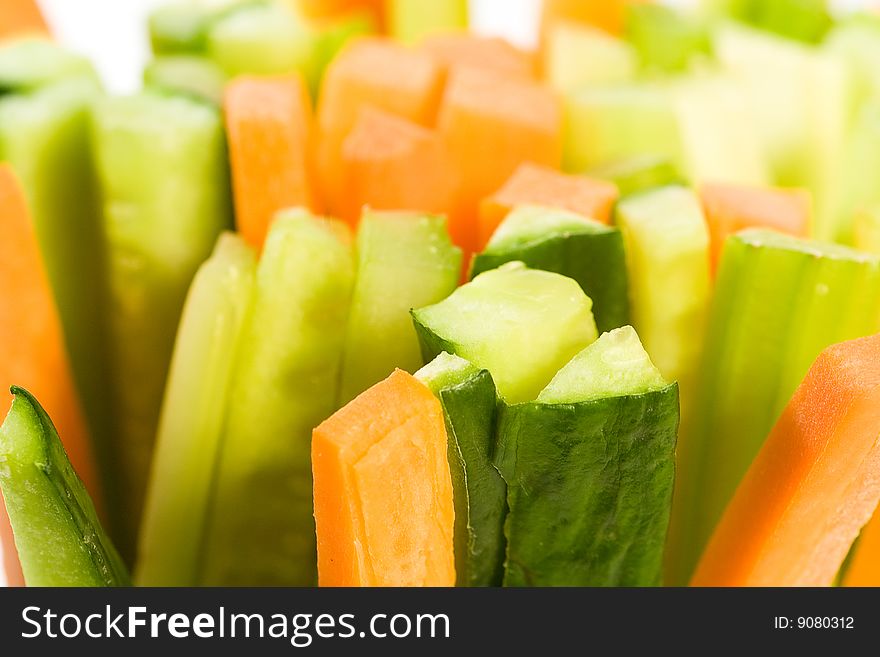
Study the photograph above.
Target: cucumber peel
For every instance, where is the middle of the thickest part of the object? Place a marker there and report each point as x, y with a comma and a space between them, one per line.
27, 64
58, 536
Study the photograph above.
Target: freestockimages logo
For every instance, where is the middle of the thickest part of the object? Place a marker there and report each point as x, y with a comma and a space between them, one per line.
301, 630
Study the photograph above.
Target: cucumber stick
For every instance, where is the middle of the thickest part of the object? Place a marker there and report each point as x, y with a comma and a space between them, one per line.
566, 243
182, 27
59, 539
667, 250
404, 261
639, 174
188, 444
285, 381
520, 324
163, 171
467, 394
778, 302
589, 467
189, 75
31, 63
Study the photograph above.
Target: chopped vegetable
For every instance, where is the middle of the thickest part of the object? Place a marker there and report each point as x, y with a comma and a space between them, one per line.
569, 244
813, 484
535, 185
376, 530
577, 55
404, 261
520, 324
467, 394
57, 533
190, 75
172, 536
270, 127
18, 17
260, 528
454, 50
409, 21
639, 174
589, 468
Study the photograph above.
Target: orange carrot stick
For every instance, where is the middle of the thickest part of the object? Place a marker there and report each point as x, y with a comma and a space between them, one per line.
864, 570
462, 49
732, 208
334, 9
534, 185
608, 15
392, 164
18, 17
813, 485
382, 489
32, 351
270, 127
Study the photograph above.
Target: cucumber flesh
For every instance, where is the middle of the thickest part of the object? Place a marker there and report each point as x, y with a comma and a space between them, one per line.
577, 55
667, 39
520, 324
569, 244
172, 533
468, 396
181, 27
285, 381
189, 75
639, 174
27, 64
58, 536
405, 261
615, 364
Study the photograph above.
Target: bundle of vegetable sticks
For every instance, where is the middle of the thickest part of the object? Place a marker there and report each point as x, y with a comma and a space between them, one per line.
349, 295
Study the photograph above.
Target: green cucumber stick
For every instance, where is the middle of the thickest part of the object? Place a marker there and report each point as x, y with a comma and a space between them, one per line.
188, 444
570, 244
667, 250
778, 302
58, 536
163, 170
285, 381
190, 75
468, 396
404, 261
589, 467
521, 324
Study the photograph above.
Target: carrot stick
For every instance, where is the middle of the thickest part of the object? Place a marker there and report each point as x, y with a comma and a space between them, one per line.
463, 49
383, 491
269, 124
32, 351
864, 570
18, 17
608, 15
813, 485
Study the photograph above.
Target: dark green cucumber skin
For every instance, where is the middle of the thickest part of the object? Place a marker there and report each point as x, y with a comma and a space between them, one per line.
595, 260
589, 489
479, 492
430, 344
72, 493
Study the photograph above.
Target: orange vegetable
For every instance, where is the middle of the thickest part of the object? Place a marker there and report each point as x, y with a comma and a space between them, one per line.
813, 485
18, 17
371, 72
732, 208
390, 163
608, 15
534, 185
383, 492
462, 49
491, 125
32, 351
864, 569
332, 9
270, 130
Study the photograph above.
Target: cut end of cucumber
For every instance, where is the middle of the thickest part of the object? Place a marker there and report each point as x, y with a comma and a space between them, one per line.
19, 439
613, 366
26, 64
445, 371
639, 173
520, 324
187, 75
530, 223
758, 237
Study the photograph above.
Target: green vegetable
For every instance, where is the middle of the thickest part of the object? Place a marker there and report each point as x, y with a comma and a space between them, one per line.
59, 539
520, 324
569, 244
639, 174
410, 21
666, 39
404, 261
589, 468
802, 20
867, 230
261, 530
610, 123
479, 494
667, 250
182, 27
856, 40
778, 302
578, 55
162, 165
190, 75
30, 63
171, 546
